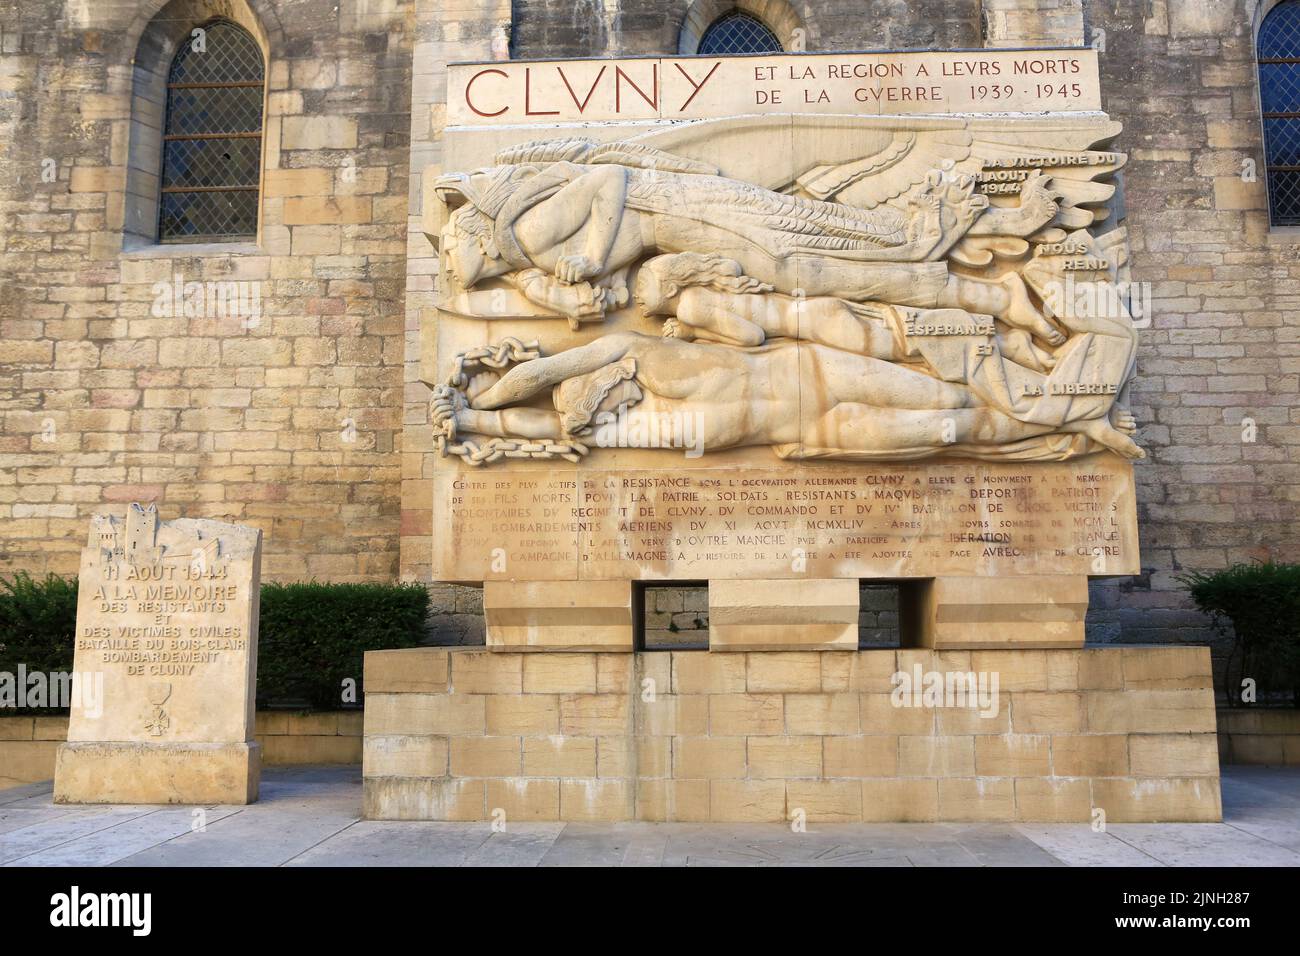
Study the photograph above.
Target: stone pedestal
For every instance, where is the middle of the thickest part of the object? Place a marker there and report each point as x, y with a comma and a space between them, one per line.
783, 615
165, 666
559, 615
1025, 611
157, 773
882, 735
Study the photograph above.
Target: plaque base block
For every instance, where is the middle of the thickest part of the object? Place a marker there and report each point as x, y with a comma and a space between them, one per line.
968, 613
187, 773
558, 615
783, 615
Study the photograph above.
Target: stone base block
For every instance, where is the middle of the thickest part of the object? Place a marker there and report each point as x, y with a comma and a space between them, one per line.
157, 773
1025, 611
559, 615
877, 735
783, 615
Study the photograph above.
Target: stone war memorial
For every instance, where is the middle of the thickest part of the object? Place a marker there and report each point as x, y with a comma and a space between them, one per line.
167, 615
782, 325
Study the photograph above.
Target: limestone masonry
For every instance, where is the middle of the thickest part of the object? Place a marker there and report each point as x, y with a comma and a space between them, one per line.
688, 736
167, 635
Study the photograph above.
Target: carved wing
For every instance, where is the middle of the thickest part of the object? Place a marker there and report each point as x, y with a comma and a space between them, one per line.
1073, 152
588, 152
900, 165
862, 161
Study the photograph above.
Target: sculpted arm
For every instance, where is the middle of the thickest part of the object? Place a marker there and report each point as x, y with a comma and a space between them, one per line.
593, 200
524, 381
574, 300
1038, 207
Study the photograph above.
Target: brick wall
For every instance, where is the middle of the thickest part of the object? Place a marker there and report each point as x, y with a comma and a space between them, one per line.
1225, 344
292, 424
28, 744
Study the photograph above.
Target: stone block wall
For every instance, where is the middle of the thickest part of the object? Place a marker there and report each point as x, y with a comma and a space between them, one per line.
1219, 361
1218, 378
694, 736
27, 748
1268, 737
290, 420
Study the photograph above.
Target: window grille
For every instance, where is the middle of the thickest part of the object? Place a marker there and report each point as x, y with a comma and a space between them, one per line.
1279, 92
738, 32
212, 138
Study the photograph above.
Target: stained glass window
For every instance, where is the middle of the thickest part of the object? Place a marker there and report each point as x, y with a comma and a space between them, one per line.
1279, 92
212, 141
738, 33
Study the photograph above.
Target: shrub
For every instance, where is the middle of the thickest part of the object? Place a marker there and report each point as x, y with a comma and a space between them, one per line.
38, 622
1262, 601
312, 636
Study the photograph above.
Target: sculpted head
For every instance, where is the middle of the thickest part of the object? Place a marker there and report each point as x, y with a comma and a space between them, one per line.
468, 251
654, 292
661, 280
607, 389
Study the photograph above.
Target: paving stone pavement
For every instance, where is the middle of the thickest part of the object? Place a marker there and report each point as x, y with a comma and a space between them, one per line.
309, 817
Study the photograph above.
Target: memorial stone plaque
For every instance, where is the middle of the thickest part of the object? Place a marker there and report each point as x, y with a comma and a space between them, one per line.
167, 614
785, 318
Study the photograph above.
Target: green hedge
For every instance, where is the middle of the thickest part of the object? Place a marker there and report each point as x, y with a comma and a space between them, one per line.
311, 637
38, 618
1262, 602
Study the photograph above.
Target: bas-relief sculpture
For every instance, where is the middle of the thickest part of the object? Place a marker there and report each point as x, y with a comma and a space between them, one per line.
874, 306
638, 320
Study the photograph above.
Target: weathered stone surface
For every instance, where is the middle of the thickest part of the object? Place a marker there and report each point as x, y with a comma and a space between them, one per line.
558, 615
953, 613
191, 773
1214, 405
737, 743
783, 615
166, 664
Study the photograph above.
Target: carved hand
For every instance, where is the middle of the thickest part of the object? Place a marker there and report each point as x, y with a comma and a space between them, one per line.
574, 269
446, 405
1039, 201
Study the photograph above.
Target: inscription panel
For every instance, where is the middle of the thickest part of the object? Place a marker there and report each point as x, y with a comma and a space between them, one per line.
880, 521
869, 84
776, 316
167, 615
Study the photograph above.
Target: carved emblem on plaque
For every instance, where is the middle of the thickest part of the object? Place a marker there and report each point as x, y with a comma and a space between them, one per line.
158, 721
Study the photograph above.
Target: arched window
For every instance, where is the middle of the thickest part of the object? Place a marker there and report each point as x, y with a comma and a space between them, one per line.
1279, 93
212, 137
738, 32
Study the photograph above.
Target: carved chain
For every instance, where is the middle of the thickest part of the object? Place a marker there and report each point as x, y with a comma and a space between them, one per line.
506, 352
446, 398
